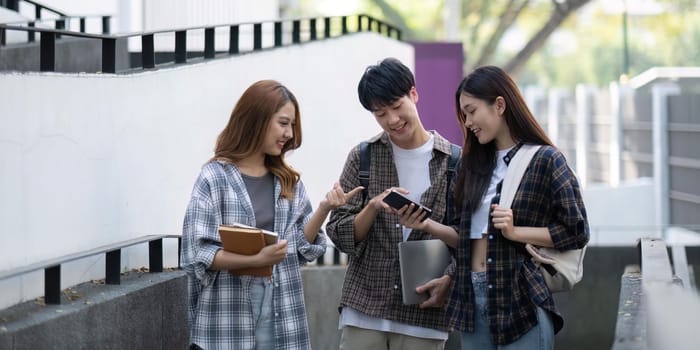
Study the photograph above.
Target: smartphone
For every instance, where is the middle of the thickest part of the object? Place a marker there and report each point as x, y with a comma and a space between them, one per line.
397, 200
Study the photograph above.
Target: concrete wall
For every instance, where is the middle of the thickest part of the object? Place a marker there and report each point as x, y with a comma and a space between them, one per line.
147, 311
104, 158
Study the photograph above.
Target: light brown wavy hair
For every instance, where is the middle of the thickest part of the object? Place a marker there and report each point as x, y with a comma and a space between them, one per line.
245, 132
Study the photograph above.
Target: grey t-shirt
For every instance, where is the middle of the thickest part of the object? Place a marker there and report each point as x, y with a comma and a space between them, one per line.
261, 190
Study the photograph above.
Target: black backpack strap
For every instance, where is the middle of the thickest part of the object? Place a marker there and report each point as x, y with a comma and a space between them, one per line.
365, 157
451, 171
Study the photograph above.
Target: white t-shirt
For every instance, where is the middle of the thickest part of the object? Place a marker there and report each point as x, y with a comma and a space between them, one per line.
480, 217
412, 168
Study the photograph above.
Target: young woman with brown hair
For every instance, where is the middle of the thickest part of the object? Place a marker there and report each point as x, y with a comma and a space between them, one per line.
248, 181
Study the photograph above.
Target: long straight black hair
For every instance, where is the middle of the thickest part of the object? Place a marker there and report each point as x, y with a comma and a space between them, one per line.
479, 161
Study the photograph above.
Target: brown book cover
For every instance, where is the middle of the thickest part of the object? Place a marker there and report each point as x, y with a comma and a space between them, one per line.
247, 240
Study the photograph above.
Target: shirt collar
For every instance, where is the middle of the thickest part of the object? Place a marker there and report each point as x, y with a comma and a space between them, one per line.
439, 143
512, 153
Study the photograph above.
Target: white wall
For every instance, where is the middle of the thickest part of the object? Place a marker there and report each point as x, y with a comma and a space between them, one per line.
89, 159
619, 215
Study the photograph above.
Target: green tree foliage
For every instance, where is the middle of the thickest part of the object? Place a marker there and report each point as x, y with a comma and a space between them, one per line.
667, 38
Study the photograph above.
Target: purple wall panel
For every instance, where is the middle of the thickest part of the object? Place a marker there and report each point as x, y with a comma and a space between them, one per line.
438, 70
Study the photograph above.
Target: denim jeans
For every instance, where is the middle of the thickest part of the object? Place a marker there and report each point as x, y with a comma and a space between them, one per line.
261, 301
540, 337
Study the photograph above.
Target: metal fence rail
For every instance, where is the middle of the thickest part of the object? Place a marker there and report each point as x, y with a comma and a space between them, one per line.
315, 29
52, 267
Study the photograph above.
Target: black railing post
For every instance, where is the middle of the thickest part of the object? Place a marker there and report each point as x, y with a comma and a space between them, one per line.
296, 31
60, 25
109, 55
312, 29
155, 255
37, 12
3, 42
179, 250
278, 34
326, 27
31, 36
148, 58
12, 5
82, 24
47, 55
233, 39
113, 261
257, 36
359, 22
180, 46
398, 34
209, 50
52, 285
344, 24
105, 25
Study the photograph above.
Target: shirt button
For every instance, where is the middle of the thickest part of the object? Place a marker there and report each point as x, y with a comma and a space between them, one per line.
489, 260
277, 314
396, 286
398, 225
277, 284
490, 236
490, 286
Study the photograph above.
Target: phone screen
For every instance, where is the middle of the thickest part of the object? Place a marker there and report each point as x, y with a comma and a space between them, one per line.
397, 201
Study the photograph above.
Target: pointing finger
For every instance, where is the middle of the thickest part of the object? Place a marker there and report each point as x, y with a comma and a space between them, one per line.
354, 191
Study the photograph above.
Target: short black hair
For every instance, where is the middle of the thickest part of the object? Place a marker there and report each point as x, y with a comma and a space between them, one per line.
384, 83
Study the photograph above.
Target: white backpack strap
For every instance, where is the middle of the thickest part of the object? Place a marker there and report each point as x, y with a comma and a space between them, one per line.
514, 173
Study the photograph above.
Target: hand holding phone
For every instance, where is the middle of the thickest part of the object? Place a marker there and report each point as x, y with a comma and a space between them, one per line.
397, 201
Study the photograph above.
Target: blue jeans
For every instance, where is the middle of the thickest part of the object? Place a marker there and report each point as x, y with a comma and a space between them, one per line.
261, 301
540, 337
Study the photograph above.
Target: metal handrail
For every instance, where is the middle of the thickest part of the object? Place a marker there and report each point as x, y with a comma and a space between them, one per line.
52, 267
59, 23
37, 7
655, 307
49, 36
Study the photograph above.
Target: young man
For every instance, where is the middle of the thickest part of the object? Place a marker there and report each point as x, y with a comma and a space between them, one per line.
413, 161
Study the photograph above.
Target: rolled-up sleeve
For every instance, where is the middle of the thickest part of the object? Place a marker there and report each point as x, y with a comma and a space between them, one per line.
199, 243
569, 227
307, 251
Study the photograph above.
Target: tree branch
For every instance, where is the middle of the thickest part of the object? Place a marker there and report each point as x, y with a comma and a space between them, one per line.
507, 18
560, 12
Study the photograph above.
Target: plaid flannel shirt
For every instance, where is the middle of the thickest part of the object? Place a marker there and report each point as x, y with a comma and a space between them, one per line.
372, 280
220, 314
548, 196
